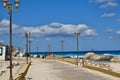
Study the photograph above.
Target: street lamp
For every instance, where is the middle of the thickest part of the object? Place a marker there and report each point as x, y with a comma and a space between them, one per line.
8, 6
27, 43
30, 41
77, 34
62, 42
37, 49
49, 47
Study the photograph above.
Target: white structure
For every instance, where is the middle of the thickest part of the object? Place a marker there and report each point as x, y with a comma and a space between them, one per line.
3, 51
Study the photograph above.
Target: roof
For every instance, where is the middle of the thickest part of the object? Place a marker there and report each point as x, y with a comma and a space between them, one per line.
1, 44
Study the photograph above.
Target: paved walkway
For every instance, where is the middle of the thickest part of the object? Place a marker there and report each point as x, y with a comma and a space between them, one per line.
56, 70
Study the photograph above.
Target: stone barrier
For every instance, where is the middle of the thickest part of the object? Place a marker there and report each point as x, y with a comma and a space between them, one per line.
103, 70
22, 73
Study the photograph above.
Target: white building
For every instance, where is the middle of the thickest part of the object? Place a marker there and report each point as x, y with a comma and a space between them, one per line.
3, 52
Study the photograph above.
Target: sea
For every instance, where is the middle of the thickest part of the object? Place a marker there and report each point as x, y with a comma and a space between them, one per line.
74, 54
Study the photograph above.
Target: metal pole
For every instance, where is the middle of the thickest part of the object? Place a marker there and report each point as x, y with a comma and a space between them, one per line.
26, 48
29, 46
62, 50
77, 49
77, 35
37, 49
29, 41
62, 41
10, 13
8, 5
49, 47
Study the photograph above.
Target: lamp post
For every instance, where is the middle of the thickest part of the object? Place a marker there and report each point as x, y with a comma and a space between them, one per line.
30, 41
37, 49
77, 35
62, 42
9, 7
49, 47
27, 43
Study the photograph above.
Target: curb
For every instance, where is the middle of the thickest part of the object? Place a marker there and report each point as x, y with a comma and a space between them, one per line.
22, 72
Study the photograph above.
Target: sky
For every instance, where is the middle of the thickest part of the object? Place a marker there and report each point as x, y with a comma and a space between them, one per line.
50, 21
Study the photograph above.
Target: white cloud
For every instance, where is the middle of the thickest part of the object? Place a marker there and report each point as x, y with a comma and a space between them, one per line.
4, 23
4, 27
55, 25
109, 30
106, 4
59, 29
2, 41
111, 37
118, 32
108, 15
118, 20
48, 39
109, 5
101, 1
52, 29
90, 32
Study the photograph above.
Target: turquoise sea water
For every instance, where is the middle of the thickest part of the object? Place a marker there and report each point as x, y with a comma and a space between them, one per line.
80, 53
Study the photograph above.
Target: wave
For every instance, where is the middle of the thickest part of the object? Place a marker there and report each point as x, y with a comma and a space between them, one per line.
107, 54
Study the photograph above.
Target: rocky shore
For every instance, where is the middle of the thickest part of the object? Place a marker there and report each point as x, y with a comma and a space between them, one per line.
97, 57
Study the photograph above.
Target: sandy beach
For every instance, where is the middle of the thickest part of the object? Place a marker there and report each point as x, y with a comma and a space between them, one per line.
5, 72
59, 70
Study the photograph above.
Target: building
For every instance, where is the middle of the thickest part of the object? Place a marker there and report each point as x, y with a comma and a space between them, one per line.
15, 52
3, 51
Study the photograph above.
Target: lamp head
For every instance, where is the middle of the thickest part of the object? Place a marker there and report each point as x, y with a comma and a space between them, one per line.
77, 33
9, 7
5, 3
26, 34
17, 2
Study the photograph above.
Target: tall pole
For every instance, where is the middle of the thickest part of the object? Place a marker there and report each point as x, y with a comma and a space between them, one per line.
26, 48
27, 45
37, 49
49, 46
62, 42
29, 41
30, 45
77, 35
7, 5
10, 13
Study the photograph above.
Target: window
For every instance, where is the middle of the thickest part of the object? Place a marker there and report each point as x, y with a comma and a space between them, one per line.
1, 50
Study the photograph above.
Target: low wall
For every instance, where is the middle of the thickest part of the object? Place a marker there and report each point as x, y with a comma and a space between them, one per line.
73, 61
103, 70
110, 72
22, 72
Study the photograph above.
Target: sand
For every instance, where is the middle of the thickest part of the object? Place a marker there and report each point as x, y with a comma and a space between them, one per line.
5, 72
59, 70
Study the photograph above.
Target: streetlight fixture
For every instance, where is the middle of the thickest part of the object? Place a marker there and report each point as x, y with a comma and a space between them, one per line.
27, 42
77, 35
62, 42
9, 7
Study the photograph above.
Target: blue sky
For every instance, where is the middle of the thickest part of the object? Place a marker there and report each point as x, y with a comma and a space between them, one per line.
50, 21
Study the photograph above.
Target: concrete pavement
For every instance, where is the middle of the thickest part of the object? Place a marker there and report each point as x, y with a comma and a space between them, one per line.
58, 70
